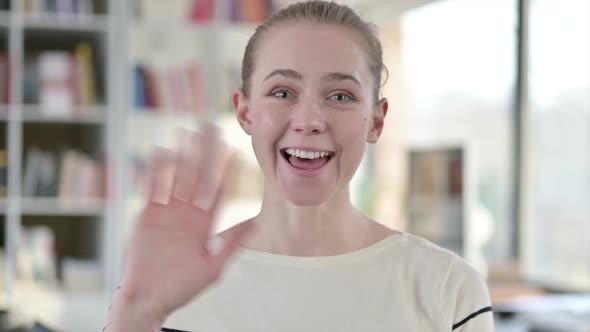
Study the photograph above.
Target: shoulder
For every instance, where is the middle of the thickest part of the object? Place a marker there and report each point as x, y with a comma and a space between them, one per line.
461, 290
452, 270
426, 256
427, 265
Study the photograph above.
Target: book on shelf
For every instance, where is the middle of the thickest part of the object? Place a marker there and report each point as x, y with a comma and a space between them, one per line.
61, 82
36, 259
30, 80
80, 176
40, 173
250, 11
66, 175
56, 86
85, 78
201, 11
172, 89
60, 7
5, 79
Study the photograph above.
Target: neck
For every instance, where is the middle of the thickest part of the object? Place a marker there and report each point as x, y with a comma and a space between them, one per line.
332, 228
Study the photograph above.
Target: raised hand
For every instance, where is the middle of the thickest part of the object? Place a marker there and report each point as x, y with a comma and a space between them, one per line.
168, 261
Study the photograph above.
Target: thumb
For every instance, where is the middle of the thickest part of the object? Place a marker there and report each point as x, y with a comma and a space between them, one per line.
231, 244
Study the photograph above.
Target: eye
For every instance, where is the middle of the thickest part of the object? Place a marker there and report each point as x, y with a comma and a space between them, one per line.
341, 97
282, 94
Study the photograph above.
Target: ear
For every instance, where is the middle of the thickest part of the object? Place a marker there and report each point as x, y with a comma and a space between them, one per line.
240, 104
377, 121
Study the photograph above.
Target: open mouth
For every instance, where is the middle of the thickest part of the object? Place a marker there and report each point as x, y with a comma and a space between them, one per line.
306, 160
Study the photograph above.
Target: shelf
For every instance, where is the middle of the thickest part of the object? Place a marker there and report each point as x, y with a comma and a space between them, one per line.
78, 221
85, 115
153, 117
44, 21
51, 206
57, 207
60, 308
162, 112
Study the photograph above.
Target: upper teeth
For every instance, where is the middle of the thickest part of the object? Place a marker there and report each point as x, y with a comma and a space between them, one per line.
307, 154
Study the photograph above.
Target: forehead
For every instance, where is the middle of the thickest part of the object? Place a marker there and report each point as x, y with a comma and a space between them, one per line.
312, 49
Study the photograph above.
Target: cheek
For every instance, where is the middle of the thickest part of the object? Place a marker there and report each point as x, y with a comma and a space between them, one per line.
352, 138
351, 127
268, 123
267, 128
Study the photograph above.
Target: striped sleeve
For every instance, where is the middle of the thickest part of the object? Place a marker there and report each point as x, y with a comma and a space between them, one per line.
466, 299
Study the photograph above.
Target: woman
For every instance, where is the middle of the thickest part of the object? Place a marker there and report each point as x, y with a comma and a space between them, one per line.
309, 261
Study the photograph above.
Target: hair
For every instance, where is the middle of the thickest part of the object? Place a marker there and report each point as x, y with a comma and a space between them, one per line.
320, 12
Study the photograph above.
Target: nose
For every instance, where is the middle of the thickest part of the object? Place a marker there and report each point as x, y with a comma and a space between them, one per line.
308, 118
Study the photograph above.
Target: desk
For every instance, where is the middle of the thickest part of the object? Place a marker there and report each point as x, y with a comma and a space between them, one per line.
545, 313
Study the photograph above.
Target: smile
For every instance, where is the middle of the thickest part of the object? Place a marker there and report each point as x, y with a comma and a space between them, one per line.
306, 162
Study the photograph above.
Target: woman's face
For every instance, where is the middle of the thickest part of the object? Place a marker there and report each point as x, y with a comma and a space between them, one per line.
311, 110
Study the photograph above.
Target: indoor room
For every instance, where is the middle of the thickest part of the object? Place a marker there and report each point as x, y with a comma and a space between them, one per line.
484, 151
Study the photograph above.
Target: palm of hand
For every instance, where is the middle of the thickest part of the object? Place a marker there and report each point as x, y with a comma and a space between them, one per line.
168, 260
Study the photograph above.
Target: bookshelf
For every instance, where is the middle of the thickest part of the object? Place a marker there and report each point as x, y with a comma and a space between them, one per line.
58, 132
165, 39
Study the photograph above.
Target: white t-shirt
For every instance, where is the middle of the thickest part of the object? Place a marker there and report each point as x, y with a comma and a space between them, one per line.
401, 283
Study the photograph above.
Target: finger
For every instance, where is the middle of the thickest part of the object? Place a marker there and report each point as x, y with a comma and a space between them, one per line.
217, 198
231, 244
161, 174
222, 189
211, 169
187, 163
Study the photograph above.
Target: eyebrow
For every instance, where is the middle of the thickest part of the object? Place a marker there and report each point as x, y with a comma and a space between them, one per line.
284, 72
340, 77
335, 76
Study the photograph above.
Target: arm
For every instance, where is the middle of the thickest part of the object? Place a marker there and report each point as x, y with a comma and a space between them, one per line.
124, 315
128, 316
466, 299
